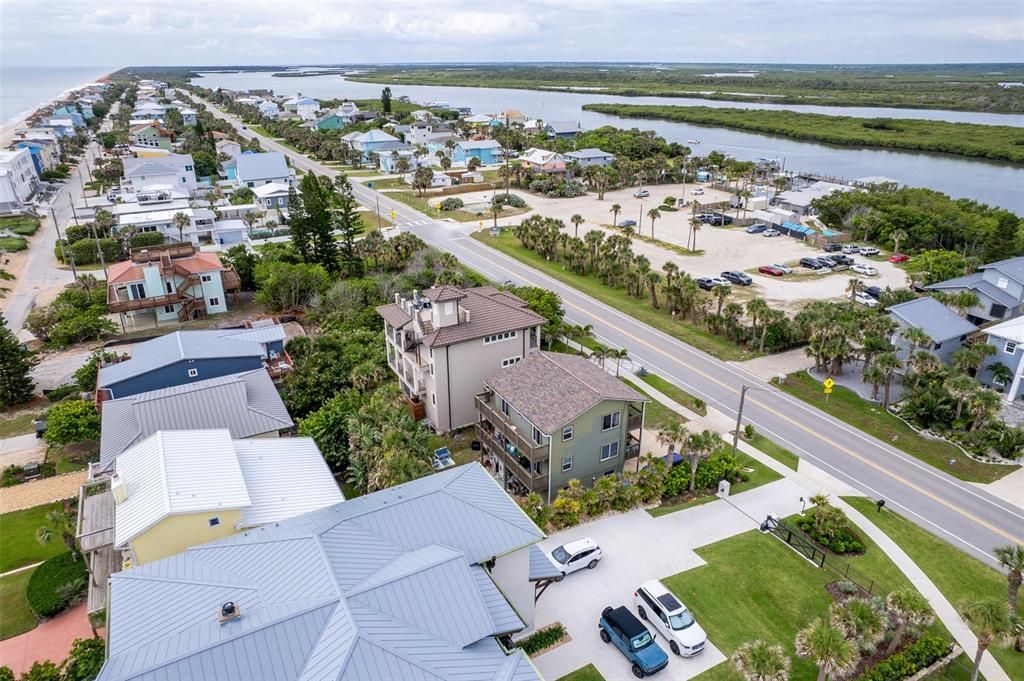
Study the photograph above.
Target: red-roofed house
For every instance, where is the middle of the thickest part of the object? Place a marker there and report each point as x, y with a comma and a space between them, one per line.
174, 281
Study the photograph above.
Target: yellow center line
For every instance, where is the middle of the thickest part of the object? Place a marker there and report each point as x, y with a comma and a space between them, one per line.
795, 423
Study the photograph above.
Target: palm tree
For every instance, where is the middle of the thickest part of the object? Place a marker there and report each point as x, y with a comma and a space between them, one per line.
854, 286
653, 214
828, 647
672, 434
652, 279
618, 355
965, 300
917, 337
910, 610
615, 210
1001, 374
982, 404
700, 446
875, 377
694, 228
576, 221
961, 387
60, 522
990, 621
181, 221
760, 661
1011, 557
897, 236
863, 621
721, 292
888, 362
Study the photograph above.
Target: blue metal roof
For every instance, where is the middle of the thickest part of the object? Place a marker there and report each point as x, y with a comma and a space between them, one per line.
386, 586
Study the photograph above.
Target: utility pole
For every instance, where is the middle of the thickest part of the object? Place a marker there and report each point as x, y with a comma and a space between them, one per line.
739, 418
99, 250
67, 254
73, 212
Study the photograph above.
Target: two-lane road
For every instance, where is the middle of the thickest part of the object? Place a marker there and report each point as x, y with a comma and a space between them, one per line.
952, 509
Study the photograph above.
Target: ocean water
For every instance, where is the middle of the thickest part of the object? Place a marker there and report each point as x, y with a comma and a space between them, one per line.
23, 89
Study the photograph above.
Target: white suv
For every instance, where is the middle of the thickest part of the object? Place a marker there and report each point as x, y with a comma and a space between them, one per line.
576, 555
660, 607
865, 299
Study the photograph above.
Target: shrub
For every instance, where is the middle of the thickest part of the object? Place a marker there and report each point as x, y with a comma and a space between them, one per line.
85, 659
510, 200
72, 421
12, 243
453, 203
11, 475
73, 233
27, 229
56, 584
678, 480
717, 467
847, 587
669, 201
834, 532
146, 239
921, 654
84, 251
543, 639
749, 431
59, 393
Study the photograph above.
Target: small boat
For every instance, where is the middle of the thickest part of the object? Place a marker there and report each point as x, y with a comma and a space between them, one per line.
693, 141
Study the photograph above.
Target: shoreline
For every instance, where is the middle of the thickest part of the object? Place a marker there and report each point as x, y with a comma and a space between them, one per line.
10, 126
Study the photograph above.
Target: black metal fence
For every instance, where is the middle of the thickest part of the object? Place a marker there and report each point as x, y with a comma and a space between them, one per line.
803, 544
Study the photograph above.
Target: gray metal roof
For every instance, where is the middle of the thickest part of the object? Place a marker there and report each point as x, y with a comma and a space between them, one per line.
170, 163
932, 317
261, 166
559, 127
174, 347
541, 565
551, 389
1011, 267
590, 152
247, 404
976, 282
386, 586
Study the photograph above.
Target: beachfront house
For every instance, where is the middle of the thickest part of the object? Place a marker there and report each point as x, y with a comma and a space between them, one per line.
45, 153
486, 151
18, 178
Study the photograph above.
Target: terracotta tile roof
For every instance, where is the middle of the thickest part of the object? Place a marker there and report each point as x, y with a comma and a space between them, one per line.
394, 315
551, 389
126, 271
490, 312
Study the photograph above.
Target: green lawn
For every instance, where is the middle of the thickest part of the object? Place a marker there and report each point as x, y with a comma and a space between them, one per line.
754, 586
871, 418
675, 393
776, 451
656, 414
588, 673
758, 475
388, 183
18, 544
957, 575
640, 309
17, 616
19, 423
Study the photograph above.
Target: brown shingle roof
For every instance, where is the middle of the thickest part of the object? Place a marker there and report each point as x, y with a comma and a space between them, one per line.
490, 312
443, 294
394, 315
551, 389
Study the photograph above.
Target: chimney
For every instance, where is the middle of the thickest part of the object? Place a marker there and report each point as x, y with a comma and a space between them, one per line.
229, 611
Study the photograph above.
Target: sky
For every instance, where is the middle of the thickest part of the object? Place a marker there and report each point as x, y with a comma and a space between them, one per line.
228, 32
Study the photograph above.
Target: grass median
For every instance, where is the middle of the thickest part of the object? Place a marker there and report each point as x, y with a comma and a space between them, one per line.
675, 393
774, 450
757, 474
957, 575
618, 299
847, 406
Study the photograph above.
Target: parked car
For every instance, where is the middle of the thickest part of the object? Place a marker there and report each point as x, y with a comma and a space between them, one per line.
785, 269
708, 283
771, 270
720, 220
832, 248
868, 250
898, 258
840, 259
866, 270
828, 261
874, 291
864, 299
737, 277
626, 223
812, 263
660, 607
705, 217
771, 232
621, 627
641, 194
576, 555
699, 191
851, 249
757, 228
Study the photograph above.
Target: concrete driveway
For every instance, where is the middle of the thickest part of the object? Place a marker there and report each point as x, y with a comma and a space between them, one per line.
638, 548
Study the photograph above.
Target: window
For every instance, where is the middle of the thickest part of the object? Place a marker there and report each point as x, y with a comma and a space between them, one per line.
214, 521
431, 369
498, 337
169, 309
567, 433
538, 436
192, 373
250, 184
183, 180
137, 291
433, 399
270, 203
280, 201
1010, 347
566, 463
214, 302
504, 407
510, 361
936, 346
997, 310
609, 450
207, 277
609, 421
1002, 282
170, 287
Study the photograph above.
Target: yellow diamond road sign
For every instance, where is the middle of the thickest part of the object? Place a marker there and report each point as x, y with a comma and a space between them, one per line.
828, 383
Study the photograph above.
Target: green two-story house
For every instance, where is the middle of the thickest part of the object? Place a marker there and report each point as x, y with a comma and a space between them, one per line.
551, 417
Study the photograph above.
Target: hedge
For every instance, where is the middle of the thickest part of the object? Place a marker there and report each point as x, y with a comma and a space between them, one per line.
12, 243
56, 584
452, 204
845, 539
915, 657
543, 639
84, 251
144, 239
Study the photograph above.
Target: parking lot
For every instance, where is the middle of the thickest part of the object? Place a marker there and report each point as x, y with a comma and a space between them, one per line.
725, 248
637, 548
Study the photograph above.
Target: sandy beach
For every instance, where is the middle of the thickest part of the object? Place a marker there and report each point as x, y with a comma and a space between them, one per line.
8, 128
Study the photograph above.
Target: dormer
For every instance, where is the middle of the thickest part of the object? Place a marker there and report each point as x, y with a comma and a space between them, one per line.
445, 310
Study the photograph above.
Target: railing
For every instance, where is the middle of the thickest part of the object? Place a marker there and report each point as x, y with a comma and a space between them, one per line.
153, 253
230, 280
501, 425
534, 482
634, 422
116, 305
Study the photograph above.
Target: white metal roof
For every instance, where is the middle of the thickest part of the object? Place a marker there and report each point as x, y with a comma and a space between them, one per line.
1011, 330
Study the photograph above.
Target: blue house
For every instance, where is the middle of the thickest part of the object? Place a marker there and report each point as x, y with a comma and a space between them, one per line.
190, 356
77, 119
562, 129
37, 150
486, 151
371, 142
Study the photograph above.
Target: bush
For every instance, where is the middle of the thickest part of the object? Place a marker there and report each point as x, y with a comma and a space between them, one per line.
543, 639
26, 229
85, 659
836, 534
56, 584
453, 203
510, 200
72, 421
59, 393
678, 481
717, 467
73, 233
84, 251
915, 657
12, 243
145, 239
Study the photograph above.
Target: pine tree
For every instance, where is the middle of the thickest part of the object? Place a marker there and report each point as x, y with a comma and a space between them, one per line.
350, 224
318, 197
298, 225
16, 385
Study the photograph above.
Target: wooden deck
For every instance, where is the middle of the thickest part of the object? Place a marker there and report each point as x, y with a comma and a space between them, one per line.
96, 539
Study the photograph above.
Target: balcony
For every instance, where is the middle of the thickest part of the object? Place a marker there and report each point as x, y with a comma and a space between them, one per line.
517, 477
115, 304
502, 430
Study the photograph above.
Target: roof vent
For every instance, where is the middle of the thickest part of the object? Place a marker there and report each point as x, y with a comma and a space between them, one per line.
229, 611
